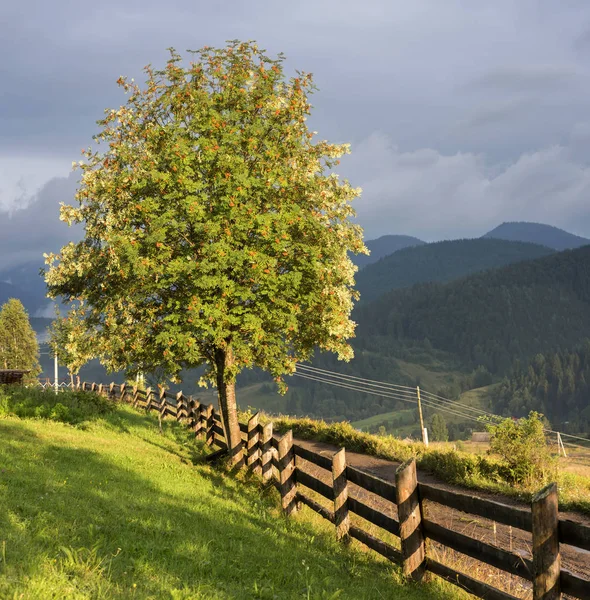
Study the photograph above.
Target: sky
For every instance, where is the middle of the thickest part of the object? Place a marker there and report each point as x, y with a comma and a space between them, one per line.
461, 114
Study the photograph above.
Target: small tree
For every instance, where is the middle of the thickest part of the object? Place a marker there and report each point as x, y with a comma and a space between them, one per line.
523, 447
18, 342
215, 233
438, 428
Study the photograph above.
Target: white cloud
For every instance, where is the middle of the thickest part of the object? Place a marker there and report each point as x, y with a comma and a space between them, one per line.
436, 196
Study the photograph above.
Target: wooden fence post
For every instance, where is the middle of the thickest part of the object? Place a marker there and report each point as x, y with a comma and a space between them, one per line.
111, 390
123, 392
546, 557
252, 446
340, 484
148, 399
93, 387
196, 416
209, 423
78, 383
180, 407
135, 397
266, 452
100, 389
287, 487
410, 520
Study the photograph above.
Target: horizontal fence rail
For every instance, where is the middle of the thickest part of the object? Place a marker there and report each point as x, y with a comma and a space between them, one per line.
280, 459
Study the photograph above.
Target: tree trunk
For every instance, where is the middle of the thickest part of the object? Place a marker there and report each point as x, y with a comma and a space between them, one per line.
226, 391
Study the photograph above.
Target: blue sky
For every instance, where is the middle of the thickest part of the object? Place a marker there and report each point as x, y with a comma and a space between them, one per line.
461, 114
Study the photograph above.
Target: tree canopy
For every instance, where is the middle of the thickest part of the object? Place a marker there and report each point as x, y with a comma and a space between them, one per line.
18, 342
215, 230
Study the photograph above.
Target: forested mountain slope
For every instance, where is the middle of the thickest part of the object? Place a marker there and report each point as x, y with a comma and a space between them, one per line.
441, 261
537, 233
490, 318
384, 246
556, 384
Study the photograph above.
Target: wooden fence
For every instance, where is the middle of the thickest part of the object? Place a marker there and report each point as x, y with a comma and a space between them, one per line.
279, 458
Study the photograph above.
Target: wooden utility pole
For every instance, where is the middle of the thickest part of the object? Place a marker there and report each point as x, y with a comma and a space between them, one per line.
422, 430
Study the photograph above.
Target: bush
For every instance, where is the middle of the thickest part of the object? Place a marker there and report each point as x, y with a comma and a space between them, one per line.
68, 407
523, 448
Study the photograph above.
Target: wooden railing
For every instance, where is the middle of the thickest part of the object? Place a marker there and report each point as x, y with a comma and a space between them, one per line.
282, 460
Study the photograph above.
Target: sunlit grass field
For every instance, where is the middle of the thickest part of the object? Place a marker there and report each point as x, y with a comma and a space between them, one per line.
112, 508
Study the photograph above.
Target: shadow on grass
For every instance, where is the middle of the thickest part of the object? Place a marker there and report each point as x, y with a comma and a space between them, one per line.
101, 524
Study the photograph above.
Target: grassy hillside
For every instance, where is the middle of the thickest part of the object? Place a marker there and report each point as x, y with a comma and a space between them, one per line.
441, 261
113, 509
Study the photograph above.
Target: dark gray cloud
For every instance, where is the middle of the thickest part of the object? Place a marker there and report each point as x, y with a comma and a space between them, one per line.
26, 233
461, 114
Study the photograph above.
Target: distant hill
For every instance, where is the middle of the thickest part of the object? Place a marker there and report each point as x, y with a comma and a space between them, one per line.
441, 261
537, 233
383, 246
489, 318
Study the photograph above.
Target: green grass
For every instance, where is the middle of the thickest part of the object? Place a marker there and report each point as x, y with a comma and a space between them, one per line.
112, 508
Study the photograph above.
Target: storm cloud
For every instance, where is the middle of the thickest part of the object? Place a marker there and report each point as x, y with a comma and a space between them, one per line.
461, 114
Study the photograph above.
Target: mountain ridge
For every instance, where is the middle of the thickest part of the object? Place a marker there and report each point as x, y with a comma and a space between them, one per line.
537, 233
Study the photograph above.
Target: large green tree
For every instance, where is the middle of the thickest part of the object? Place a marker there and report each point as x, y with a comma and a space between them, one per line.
216, 231
18, 342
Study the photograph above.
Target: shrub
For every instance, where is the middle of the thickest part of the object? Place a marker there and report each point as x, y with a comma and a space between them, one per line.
523, 448
68, 406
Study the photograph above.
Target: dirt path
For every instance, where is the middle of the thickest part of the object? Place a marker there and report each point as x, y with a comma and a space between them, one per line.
508, 538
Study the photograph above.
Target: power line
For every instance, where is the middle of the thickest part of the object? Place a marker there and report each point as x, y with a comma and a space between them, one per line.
384, 385
352, 377
399, 392
398, 396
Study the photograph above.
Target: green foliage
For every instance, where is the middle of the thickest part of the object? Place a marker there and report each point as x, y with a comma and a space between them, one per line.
72, 407
212, 224
523, 447
438, 428
556, 384
18, 342
440, 262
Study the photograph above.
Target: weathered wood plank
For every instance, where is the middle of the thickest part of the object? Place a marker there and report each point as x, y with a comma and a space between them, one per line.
313, 457
287, 473
373, 516
322, 510
371, 483
209, 423
486, 553
340, 490
574, 534
266, 452
252, 445
495, 511
218, 431
574, 585
315, 484
410, 520
473, 586
546, 557
393, 554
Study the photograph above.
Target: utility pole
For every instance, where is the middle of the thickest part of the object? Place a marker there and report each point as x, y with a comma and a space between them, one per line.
55, 373
422, 429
